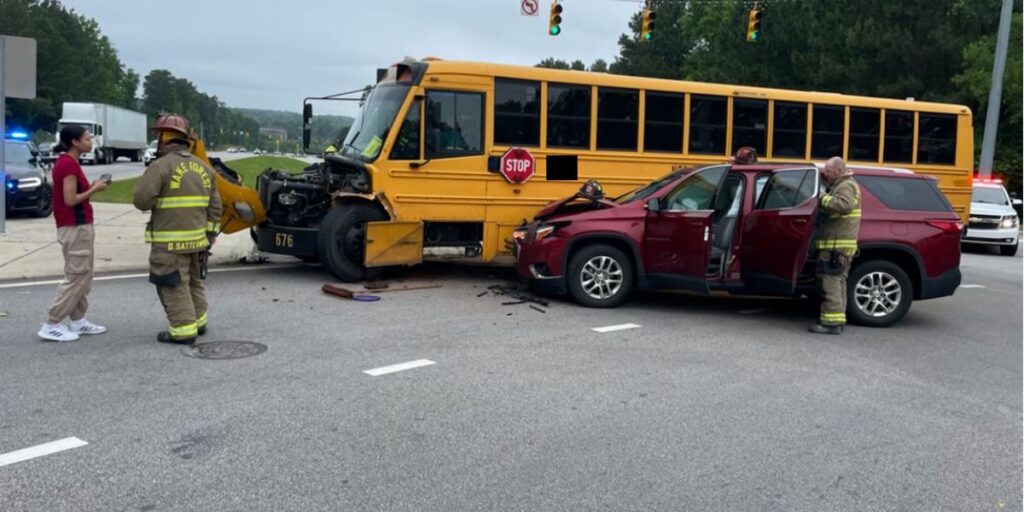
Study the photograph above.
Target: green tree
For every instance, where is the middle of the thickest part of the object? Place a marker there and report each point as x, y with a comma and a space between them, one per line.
599, 66
553, 63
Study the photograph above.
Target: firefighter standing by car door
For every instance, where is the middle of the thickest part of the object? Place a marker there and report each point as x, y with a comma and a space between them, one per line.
181, 192
837, 244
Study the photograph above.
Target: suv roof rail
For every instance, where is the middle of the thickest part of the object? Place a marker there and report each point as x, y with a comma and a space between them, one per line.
871, 168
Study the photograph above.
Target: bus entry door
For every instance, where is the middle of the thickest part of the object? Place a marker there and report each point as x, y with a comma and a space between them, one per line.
393, 243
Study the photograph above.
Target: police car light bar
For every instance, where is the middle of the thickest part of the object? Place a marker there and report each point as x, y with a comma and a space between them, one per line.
995, 181
17, 135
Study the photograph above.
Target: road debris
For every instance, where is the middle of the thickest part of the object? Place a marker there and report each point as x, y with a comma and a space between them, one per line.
345, 293
535, 308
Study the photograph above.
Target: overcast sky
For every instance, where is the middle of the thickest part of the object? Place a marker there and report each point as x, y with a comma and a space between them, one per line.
271, 54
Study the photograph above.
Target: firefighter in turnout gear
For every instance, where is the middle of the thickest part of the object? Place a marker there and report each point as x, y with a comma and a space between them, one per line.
837, 244
180, 190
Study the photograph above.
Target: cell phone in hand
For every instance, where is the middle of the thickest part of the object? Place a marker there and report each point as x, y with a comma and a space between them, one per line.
107, 178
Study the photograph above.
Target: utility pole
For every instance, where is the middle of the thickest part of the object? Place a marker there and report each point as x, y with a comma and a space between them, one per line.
995, 93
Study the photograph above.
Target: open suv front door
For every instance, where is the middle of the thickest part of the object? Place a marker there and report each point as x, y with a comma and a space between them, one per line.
677, 235
778, 231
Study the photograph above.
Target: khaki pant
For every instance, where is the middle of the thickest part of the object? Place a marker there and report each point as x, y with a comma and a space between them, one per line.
833, 286
181, 290
76, 242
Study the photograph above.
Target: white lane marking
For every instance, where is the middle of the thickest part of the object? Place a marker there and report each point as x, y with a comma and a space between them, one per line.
399, 367
41, 450
133, 276
972, 286
613, 328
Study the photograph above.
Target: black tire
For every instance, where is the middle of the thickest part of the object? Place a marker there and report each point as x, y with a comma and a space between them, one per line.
604, 259
884, 277
45, 206
340, 243
1008, 250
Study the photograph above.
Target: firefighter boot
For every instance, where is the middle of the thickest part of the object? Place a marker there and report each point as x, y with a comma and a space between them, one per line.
826, 329
165, 337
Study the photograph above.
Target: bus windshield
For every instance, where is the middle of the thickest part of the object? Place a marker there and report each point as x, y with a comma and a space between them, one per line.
371, 126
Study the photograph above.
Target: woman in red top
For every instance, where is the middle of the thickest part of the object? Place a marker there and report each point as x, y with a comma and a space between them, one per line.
73, 213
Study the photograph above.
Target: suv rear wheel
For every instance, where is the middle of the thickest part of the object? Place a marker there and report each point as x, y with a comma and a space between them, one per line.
599, 276
878, 293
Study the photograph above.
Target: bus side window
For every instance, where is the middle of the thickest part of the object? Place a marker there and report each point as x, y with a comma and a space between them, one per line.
707, 124
936, 139
827, 133
454, 124
407, 145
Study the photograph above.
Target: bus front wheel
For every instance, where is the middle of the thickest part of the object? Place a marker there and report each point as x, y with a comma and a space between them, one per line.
341, 242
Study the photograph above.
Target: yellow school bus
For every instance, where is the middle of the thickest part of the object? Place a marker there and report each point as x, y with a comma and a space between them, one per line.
421, 174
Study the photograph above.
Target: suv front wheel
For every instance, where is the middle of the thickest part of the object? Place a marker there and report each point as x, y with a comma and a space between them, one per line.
878, 293
599, 276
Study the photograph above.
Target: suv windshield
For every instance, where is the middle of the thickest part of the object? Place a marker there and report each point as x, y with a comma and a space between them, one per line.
371, 126
643, 191
989, 195
16, 153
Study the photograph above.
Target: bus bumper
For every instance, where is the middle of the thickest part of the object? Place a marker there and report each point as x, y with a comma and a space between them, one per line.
286, 240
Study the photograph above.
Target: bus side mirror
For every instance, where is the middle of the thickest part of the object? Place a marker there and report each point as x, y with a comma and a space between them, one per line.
653, 205
307, 127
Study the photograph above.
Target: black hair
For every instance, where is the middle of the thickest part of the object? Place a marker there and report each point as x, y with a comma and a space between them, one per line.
69, 133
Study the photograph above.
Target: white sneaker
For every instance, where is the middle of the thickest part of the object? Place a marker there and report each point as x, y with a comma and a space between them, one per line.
83, 326
56, 332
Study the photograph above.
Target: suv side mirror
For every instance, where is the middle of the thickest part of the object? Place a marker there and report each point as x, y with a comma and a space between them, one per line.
307, 127
653, 205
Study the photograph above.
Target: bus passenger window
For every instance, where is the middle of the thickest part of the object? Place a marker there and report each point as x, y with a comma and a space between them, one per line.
899, 136
707, 125
864, 130
617, 119
790, 131
827, 135
936, 139
569, 116
407, 145
454, 124
516, 112
750, 124
663, 122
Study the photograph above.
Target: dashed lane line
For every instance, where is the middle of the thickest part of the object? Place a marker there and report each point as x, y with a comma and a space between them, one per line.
399, 367
613, 328
41, 450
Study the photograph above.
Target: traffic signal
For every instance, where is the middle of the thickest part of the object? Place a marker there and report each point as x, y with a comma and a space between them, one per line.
754, 25
555, 19
648, 24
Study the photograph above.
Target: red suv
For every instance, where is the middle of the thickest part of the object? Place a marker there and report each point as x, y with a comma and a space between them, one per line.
745, 229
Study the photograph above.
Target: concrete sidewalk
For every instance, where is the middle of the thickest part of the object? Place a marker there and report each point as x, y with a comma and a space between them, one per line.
29, 248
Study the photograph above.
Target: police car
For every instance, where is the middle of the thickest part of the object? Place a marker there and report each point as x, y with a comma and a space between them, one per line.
993, 220
26, 185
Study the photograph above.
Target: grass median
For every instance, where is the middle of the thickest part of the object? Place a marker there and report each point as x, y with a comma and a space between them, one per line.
249, 168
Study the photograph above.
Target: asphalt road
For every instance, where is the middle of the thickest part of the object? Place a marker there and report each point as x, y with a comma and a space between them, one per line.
710, 404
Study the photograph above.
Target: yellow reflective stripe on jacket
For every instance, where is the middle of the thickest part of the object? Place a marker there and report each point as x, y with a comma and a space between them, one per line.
183, 202
826, 199
187, 235
212, 227
854, 214
837, 244
184, 331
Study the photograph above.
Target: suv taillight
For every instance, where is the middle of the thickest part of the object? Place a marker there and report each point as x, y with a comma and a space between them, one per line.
952, 227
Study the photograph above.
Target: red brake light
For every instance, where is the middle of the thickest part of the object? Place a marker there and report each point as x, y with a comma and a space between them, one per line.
952, 227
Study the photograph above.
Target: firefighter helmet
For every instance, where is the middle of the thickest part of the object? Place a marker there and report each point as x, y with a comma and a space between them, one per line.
171, 123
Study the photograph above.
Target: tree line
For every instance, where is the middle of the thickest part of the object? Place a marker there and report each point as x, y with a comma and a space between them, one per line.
931, 50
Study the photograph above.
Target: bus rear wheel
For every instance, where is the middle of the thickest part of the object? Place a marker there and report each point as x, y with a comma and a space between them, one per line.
341, 242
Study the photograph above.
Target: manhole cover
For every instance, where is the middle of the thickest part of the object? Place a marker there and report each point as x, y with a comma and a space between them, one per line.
224, 350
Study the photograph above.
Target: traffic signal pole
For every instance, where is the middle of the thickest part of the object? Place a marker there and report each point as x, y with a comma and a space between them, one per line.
995, 93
